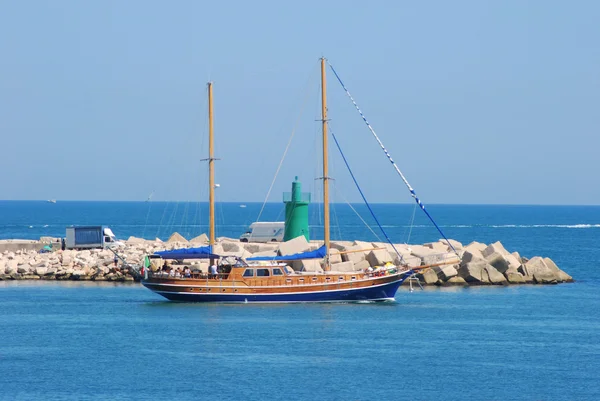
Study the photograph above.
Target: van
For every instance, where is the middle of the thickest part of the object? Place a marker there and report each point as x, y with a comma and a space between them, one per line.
264, 231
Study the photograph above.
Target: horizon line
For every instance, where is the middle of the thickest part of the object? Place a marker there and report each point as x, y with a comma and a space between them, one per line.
256, 202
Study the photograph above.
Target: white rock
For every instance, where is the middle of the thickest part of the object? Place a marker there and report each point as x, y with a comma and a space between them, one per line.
177, 238
24, 269
232, 246
40, 271
293, 246
497, 260
200, 239
495, 247
343, 267
494, 275
473, 272
560, 275
307, 265
334, 256
457, 245
445, 272
379, 257
437, 246
361, 265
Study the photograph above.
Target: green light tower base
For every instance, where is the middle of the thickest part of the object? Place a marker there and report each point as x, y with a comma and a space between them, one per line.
296, 212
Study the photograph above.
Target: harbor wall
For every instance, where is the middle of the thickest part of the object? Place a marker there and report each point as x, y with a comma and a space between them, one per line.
438, 263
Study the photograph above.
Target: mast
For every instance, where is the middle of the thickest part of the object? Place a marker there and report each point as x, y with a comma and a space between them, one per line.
211, 172
325, 163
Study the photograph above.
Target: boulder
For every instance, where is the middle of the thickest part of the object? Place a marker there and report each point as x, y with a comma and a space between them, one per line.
475, 246
355, 253
346, 267
200, 239
495, 276
134, 240
457, 245
232, 246
518, 257
243, 254
445, 272
334, 256
379, 257
24, 269
513, 262
537, 271
361, 265
269, 254
497, 260
456, 280
439, 247
561, 276
473, 272
471, 256
11, 266
515, 277
293, 246
407, 260
176, 237
428, 276
307, 265
429, 256
66, 260
254, 247
340, 245
41, 271
495, 247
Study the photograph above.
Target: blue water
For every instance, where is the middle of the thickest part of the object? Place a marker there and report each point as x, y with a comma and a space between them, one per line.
104, 341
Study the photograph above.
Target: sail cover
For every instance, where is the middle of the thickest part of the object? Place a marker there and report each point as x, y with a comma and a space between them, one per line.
316, 254
203, 252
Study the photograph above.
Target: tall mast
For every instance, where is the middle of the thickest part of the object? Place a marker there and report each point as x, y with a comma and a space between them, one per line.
325, 163
211, 170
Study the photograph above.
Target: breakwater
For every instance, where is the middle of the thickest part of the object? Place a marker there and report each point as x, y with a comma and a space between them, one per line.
437, 263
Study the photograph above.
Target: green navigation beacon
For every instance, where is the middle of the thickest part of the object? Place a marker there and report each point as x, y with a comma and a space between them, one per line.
296, 212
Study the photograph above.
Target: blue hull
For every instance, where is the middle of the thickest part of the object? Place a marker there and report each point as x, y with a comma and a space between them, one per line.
376, 293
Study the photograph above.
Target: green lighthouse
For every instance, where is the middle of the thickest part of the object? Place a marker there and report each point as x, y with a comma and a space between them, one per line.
296, 212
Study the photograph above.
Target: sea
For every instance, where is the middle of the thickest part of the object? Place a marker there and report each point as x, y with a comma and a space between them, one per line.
108, 341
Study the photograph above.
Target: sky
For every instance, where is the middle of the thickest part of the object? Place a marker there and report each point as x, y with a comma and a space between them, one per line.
493, 102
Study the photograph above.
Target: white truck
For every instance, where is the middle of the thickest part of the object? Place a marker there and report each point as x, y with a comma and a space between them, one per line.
264, 231
86, 237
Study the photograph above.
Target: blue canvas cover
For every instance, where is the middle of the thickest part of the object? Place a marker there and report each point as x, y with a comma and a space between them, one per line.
316, 254
203, 252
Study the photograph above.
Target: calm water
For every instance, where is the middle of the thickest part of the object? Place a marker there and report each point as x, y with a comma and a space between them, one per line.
103, 341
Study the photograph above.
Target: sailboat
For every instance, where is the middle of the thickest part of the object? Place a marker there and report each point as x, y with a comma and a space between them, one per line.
271, 279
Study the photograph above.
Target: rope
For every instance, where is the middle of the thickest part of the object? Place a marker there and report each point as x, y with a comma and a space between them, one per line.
412, 191
363, 196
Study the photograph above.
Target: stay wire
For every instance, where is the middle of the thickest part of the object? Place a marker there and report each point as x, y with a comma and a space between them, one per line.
363, 196
412, 191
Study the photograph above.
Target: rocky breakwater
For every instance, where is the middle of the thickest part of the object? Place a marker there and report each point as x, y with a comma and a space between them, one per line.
482, 264
436, 263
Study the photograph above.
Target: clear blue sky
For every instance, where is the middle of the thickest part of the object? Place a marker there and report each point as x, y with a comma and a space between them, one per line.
478, 101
